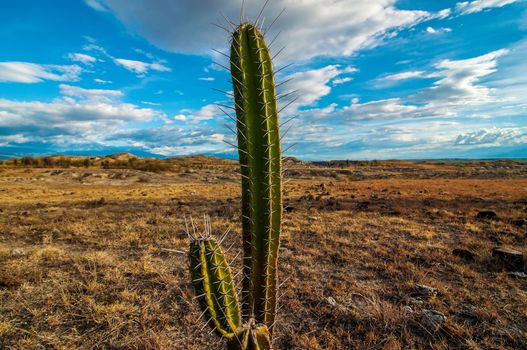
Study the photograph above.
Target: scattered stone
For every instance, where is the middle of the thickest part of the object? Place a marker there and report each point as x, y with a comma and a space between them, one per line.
464, 254
18, 252
363, 205
517, 274
420, 290
408, 309
331, 301
519, 222
416, 301
314, 218
433, 319
510, 259
487, 215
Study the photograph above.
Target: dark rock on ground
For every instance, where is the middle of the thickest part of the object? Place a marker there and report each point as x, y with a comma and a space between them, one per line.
465, 254
516, 274
510, 259
432, 319
420, 290
487, 215
519, 222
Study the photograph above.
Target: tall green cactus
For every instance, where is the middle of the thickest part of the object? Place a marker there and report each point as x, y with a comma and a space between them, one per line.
260, 160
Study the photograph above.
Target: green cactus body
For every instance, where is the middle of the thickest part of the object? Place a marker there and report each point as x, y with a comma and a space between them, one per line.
260, 161
259, 153
214, 285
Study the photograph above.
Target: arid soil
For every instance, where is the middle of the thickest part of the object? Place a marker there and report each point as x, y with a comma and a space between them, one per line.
374, 255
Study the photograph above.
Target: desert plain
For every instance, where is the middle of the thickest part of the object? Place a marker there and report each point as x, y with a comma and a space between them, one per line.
374, 255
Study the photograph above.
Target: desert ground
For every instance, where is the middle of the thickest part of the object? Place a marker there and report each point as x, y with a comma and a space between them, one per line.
374, 255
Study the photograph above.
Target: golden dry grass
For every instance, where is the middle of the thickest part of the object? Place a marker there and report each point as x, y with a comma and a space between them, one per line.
84, 261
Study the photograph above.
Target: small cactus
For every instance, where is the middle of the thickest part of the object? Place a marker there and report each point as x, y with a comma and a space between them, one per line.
251, 325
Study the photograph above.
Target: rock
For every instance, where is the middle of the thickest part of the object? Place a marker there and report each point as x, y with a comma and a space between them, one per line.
408, 309
331, 301
510, 259
416, 301
433, 319
313, 218
516, 274
363, 205
420, 290
519, 222
487, 215
464, 254
18, 252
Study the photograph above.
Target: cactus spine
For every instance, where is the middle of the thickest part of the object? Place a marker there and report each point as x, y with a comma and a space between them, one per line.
260, 160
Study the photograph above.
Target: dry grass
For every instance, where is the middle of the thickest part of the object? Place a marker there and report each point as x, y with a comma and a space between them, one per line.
83, 263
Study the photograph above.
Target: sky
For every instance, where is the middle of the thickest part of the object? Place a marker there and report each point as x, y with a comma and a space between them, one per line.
374, 79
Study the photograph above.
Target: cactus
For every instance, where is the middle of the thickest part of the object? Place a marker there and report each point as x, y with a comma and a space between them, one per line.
260, 160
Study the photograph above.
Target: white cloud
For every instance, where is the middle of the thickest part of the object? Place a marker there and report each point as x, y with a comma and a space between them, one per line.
405, 75
91, 95
431, 30
443, 13
139, 67
96, 5
457, 91
313, 84
493, 137
79, 116
173, 140
467, 7
389, 80
206, 112
93, 47
309, 28
459, 83
150, 103
102, 81
180, 117
206, 79
25, 72
83, 58
340, 81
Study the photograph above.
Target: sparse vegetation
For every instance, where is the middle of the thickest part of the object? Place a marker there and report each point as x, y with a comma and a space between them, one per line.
118, 161
74, 275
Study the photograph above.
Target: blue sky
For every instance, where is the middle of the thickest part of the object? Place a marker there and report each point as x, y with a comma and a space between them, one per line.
376, 79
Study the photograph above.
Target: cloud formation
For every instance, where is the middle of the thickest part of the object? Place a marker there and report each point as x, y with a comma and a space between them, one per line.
81, 57
467, 7
79, 116
25, 72
493, 137
314, 28
140, 68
